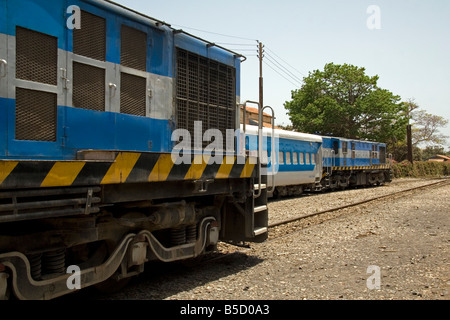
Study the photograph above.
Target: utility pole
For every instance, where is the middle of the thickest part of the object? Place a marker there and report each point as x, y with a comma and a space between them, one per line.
409, 134
261, 84
409, 140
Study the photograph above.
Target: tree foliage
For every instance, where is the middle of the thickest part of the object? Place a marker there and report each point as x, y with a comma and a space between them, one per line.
343, 101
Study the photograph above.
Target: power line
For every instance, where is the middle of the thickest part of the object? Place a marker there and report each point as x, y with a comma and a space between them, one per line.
215, 33
284, 69
267, 64
286, 62
236, 44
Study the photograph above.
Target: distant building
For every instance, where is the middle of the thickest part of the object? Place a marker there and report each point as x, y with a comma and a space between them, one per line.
252, 118
439, 158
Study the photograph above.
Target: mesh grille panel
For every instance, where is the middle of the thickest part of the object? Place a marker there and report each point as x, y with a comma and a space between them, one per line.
37, 56
134, 48
206, 91
88, 87
90, 40
133, 95
35, 115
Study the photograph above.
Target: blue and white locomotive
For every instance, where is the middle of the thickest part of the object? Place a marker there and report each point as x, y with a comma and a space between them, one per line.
91, 94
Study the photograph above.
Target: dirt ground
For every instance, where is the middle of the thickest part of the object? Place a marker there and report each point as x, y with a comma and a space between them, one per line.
386, 250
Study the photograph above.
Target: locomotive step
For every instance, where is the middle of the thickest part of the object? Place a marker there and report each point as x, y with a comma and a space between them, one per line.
260, 209
260, 231
263, 186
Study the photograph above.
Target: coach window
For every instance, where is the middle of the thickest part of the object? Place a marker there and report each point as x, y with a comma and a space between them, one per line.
302, 158
344, 147
288, 158
281, 157
308, 158
295, 158
313, 158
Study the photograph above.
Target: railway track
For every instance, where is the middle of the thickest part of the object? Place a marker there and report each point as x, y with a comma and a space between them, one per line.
398, 193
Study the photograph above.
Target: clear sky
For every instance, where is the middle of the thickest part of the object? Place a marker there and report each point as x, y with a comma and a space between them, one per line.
409, 50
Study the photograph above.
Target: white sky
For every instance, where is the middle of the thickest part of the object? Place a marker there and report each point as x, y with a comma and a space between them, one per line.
410, 53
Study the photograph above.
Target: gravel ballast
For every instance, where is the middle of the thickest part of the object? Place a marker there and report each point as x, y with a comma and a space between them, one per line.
387, 249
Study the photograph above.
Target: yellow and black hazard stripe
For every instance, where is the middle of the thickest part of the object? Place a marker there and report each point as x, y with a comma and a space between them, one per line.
128, 167
354, 168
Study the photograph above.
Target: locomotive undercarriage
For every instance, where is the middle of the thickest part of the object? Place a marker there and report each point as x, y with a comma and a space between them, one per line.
355, 178
182, 220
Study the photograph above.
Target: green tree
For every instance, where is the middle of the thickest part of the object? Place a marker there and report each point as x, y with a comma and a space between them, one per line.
343, 101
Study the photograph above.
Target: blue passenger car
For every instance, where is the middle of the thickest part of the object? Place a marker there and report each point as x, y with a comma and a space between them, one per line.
298, 162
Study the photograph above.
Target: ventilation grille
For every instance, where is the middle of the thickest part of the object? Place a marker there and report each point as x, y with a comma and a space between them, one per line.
37, 56
88, 87
35, 115
134, 48
133, 95
206, 91
90, 40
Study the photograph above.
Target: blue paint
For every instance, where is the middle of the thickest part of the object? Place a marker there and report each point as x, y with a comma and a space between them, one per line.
45, 16
348, 161
142, 134
3, 25
86, 129
80, 129
285, 145
305, 147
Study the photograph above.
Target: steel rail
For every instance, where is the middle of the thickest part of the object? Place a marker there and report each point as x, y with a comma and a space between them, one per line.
287, 221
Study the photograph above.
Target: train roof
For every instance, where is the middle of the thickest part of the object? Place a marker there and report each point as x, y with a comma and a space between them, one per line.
349, 139
142, 18
284, 134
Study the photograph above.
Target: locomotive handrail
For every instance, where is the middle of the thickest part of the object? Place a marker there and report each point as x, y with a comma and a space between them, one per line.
391, 160
256, 194
272, 187
244, 109
333, 161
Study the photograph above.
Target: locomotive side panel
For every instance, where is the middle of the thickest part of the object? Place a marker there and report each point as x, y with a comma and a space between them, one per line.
87, 173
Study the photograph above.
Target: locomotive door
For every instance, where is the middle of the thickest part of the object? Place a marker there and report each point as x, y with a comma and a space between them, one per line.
33, 80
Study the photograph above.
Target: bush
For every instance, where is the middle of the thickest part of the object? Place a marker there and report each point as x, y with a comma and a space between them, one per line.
420, 169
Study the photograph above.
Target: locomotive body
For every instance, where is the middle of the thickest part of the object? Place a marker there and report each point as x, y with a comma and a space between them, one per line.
349, 162
93, 97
